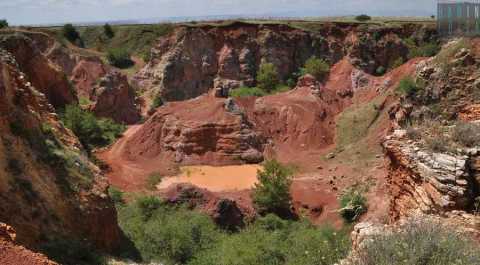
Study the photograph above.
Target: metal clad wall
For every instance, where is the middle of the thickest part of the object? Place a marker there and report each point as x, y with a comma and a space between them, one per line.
460, 18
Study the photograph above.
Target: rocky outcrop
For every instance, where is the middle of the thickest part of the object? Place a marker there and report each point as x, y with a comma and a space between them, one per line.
85, 75
426, 182
194, 60
48, 187
115, 99
12, 254
225, 212
42, 74
299, 119
196, 131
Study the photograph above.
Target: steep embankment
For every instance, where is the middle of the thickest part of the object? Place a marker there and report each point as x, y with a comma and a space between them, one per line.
66, 74
12, 254
48, 187
193, 60
433, 155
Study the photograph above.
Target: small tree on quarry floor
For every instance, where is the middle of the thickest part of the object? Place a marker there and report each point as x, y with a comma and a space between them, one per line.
316, 67
272, 192
267, 77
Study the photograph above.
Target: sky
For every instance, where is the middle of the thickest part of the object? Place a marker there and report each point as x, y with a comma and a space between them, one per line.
24, 12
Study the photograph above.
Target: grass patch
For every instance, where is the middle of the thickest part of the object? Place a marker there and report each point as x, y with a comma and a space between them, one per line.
353, 203
153, 180
116, 195
446, 54
409, 87
420, 242
355, 122
134, 39
256, 92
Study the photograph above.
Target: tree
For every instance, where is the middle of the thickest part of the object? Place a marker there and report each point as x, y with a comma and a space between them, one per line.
91, 132
3, 23
70, 33
318, 68
272, 192
119, 57
108, 30
363, 18
267, 77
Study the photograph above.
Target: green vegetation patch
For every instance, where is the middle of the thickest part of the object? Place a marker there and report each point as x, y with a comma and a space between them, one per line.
356, 121
153, 180
316, 67
410, 87
267, 77
420, 242
134, 39
91, 131
272, 192
353, 203
119, 57
175, 235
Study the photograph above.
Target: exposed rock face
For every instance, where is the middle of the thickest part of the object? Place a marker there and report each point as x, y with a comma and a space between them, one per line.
194, 60
39, 70
85, 75
115, 99
225, 212
299, 119
196, 131
12, 254
48, 187
426, 182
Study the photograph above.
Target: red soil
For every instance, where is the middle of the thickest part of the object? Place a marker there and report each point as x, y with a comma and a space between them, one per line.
301, 124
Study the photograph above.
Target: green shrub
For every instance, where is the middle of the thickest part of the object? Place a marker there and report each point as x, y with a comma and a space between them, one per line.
3, 23
271, 240
166, 234
420, 243
397, 63
267, 77
72, 252
174, 235
153, 180
70, 33
116, 195
429, 49
157, 101
108, 30
119, 57
467, 134
272, 192
318, 68
247, 92
353, 204
380, 70
91, 131
147, 205
363, 18
408, 86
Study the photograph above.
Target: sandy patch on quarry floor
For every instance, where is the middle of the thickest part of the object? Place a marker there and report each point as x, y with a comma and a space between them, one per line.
216, 179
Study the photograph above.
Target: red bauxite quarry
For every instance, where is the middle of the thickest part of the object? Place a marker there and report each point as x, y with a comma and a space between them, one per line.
355, 127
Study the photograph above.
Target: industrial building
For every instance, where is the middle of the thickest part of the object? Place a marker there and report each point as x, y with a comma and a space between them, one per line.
458, 17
